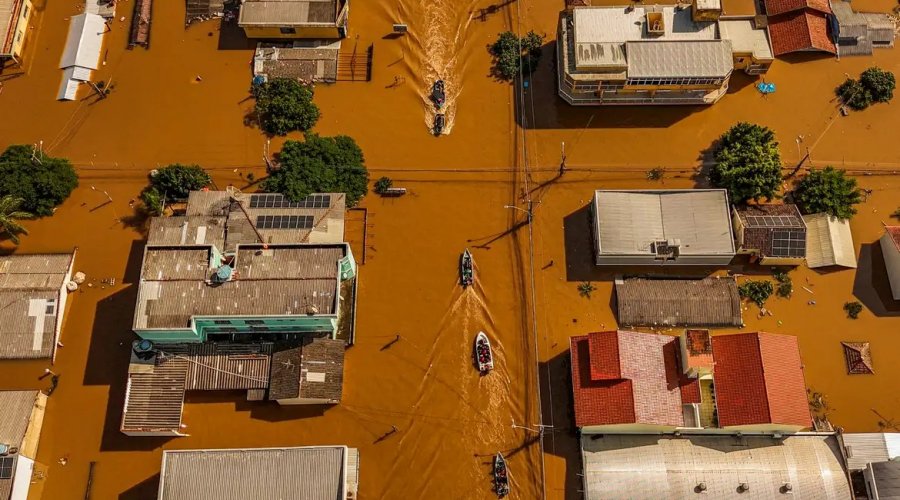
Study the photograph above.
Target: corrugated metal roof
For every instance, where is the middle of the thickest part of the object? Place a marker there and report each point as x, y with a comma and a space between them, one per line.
154, 400
656, 302
681, 59
314, 370
84, 42
187, 230
631, 221
287, 12
15, 411
289, 262
828, 241
309, 473
886, 476
639, 466
863, 448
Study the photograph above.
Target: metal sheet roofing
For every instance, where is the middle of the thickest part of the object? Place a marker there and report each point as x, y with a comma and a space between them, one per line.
15, 411
886, 476
828, 241
621, 466
629, 222
682, 59
708, 302
759, 380
287, 12
862, 448
309, 473
84, 42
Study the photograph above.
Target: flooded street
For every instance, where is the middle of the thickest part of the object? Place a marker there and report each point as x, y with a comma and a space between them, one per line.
449, 420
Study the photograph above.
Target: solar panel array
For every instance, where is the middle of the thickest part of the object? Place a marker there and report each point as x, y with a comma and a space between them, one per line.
284, 222
6, 467
281, 201
789, 243
773, 221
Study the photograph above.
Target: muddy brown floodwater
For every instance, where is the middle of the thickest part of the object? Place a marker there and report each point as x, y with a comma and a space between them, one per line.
449, 420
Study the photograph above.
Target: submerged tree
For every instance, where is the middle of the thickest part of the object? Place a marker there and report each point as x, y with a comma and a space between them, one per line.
854, 94
757, 291
42, 182
10, 215
284, 105
383, 184
829, 191
747, 163
513, 55
320, 165
176, 181
879, 83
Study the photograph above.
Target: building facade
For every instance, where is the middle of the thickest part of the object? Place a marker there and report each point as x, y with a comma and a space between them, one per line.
890, 247
294, 19
21, 419
14, 18
655, 55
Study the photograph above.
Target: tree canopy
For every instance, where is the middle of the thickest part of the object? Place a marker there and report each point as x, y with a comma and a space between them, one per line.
176, 181
10, 214
747, 163
509, 52
42, 182
854, 94
879, 82
829, 191
284, 105
320, 165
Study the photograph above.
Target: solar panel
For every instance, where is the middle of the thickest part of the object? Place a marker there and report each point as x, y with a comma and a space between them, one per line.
6, 467
789, 243
284, 222
772, 221
281, 201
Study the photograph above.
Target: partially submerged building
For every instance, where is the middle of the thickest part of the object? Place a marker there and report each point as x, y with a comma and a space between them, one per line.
300, 473
630, 382
294, 19
882, 480
21, 419
862, 448
828, 241
859, 33
655, 54
662, 227
890, 247
800, 26
710, 302
14, 18
81, 55
33, 292
775, 234
243, 292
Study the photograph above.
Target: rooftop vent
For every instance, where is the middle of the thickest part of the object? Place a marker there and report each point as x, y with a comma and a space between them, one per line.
667, 249
701, 487
222, 274
787, 488
655, 23
743, 487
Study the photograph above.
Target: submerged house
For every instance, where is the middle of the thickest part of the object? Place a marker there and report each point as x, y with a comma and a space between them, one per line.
859, 33
655, 54
81, 55
662, 227
243, 292
294, 19
630, 382
828, 242
298, 473
710, 302
14, 18
33, 292
21, 419
800, 26
774, 234
890, 247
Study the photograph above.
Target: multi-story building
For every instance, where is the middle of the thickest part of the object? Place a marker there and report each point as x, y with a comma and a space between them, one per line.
14, 18
655, 54
294, 19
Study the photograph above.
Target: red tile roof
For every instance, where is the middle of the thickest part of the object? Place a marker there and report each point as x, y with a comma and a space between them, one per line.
800, 31
894, 231
776, 7
759, 380
648, 387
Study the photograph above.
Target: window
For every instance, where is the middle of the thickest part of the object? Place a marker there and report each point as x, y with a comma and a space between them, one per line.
51, 307
6, 467
25, 12
218, 337
288, 31
255, 322
222, 322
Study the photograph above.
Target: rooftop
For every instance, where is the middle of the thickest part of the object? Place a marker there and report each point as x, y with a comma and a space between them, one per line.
9, 10
304, 473
858, 356
776, 7
745, 37
705, 59
886, 476
30, 291
313, 370
862, 448
287, 12
800, 30
16, 408
641, 466
631, 222
894, 233
708, 302
828, 242
759, 380
775, 230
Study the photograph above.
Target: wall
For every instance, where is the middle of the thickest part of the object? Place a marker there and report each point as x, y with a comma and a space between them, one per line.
627, 429
31, 440
274, 32
23, 16
22, 478
892, 263
61, 305
305, 401
779, 261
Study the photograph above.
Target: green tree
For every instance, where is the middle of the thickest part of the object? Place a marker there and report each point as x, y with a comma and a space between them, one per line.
153, 203
854, 94
879, 83
512, 54
757, 291
42, 182
830, 191
10, 214
383, 184
176, 181
747, 163
320, 165
284, 105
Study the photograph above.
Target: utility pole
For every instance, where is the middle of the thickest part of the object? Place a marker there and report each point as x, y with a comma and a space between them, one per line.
562, 162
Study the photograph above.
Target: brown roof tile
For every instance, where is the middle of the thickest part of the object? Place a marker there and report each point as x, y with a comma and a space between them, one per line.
651, 302
801, 30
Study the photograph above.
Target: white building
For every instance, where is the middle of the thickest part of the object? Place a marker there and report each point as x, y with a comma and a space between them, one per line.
890, 246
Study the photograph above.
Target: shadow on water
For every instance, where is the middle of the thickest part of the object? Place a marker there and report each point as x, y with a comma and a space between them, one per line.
231, 36
871, 285
563, 442
544, 109
147, 489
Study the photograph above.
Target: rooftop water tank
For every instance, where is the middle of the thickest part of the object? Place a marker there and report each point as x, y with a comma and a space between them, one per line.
223, 274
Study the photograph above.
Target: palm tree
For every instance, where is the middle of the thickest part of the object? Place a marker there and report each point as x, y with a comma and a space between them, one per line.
9, 214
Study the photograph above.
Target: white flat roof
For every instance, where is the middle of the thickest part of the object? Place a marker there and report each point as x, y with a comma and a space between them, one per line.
84, 42
702, 59
745, 38
828, 242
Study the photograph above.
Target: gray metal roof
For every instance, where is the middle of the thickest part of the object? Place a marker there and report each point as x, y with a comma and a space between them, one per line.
287, 12
828, 241
314, 370
629, 222
708, 302
681, 59
864, 447
15, 411
647, 467
30, 287
886, 476
308, 473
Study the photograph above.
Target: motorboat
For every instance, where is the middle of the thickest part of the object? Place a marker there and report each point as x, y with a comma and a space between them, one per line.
501, 476
466, 269
438, 127
437, 94
484, 356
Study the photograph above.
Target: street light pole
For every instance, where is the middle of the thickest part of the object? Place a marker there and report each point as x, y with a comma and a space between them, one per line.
529, 212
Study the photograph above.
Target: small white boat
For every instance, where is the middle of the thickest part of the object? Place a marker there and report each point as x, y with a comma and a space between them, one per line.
484, 357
